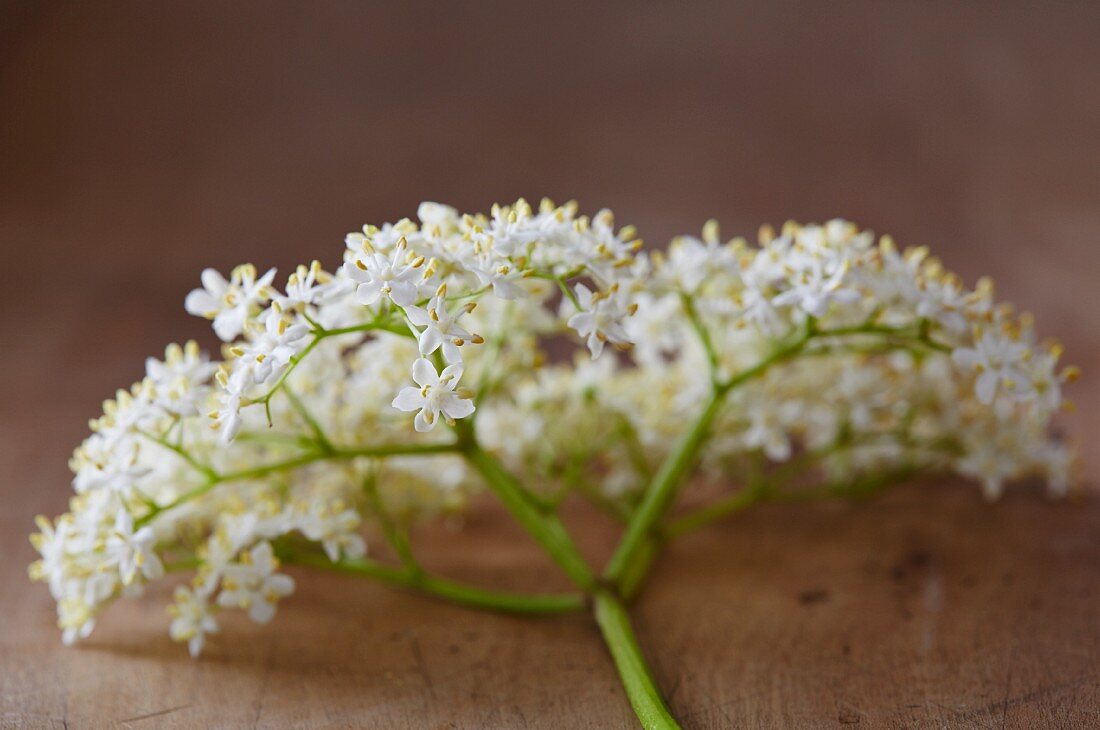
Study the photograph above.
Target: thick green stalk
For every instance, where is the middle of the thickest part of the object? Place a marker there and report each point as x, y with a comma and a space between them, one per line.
634, 574
662, 489
668, 479
640, 688
446, 589
544, 527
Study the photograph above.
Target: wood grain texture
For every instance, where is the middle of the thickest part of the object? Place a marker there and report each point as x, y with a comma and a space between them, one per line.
140, 142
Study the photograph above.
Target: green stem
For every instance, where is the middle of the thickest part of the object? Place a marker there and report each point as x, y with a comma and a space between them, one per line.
733, 503
544, 527
303, 412
397, 539
701, 332
634, 574
668, 479
662, 489
214, 479
443, 588
645, 698
182, 453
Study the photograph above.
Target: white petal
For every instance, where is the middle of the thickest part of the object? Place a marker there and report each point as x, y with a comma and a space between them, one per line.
430, 340
418, 316
454, 370
452, 353
409, 399
584, 295
200, 302
423, 373
368, 293
261, 611
458, 407
402, 293
214, 282
986, 387
420, 422
281, 584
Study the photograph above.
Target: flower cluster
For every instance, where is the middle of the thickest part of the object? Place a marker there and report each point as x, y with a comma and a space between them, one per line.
829, 360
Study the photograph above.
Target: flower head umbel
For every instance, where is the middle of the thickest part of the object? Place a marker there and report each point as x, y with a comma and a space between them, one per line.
436, 394
817, 356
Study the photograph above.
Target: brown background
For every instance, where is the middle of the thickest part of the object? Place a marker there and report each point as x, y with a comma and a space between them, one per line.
140, 142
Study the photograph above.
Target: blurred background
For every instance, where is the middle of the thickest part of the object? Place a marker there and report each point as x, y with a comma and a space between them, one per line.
140, 142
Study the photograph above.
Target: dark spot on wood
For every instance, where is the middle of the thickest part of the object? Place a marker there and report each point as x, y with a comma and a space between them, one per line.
846, 650
848, 717
969, 581
812, 596
919, 558
453, 649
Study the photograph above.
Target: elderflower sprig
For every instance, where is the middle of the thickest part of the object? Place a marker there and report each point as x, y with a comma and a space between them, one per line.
817, 362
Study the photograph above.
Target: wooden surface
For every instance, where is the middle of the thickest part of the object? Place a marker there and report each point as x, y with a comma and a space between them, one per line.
141, 142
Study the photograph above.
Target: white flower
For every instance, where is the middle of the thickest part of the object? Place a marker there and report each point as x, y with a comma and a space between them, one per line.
501, 276
75, 618
100, 463
441, 328
227, 418
335, 528
378, 275
305, 287
691, 261
51, 542
192, 619
767, 431
1000, 363
230, 303
265, 357
815, 280
435, 395
990, 465
601, 318
180, 381
133, 552
253, 585
442, 218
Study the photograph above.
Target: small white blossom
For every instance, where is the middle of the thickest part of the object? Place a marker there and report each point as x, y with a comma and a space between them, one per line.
253, 585
999, 361
441, 329
231, 302
180, 380
394, 277
600, 318
192, 619
133, 552
272, 350
435, 395
334, 526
